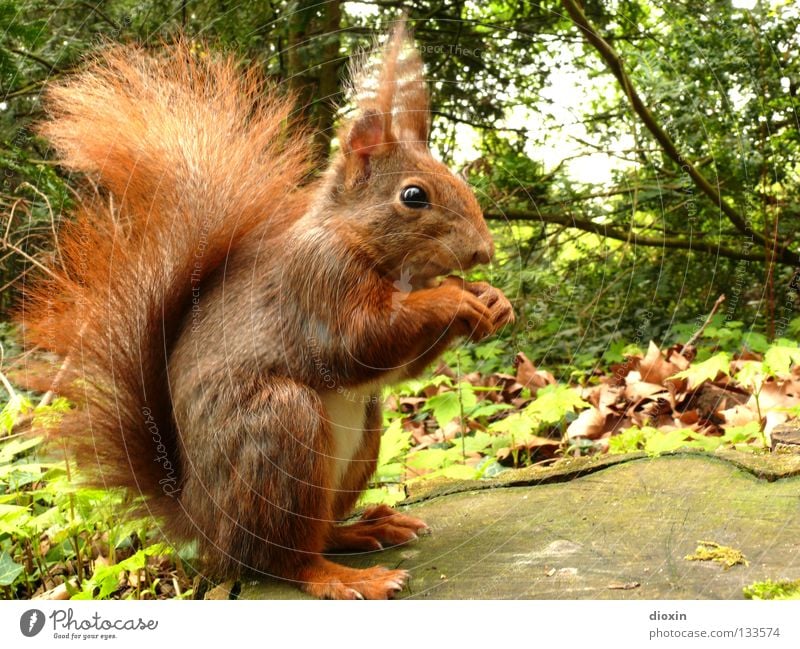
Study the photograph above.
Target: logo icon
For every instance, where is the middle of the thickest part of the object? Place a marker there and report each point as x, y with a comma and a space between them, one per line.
31, 622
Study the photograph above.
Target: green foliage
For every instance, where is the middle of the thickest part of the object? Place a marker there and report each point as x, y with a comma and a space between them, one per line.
655, 442
553, 407
106, 579
51, 526
769, 589
779, 358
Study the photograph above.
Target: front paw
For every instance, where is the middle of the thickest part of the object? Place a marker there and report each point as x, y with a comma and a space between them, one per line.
502, 313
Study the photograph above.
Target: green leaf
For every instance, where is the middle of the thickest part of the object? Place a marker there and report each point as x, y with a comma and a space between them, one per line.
518, 425
16, 406
475, 443
705, 442
9, 569
664, 442
628, 441
446, 406
742, 434
16, 446
708, 370
751, 374
489, 409
388, 495
779, 359
756, 342
12, 518
429, 459
552, 404
392, 472
394, 441
458, 472
415, 387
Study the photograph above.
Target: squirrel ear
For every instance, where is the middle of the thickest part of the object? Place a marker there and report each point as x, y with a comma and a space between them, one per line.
369, 135
388, 87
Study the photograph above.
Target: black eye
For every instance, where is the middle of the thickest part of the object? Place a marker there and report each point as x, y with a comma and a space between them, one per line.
414, 197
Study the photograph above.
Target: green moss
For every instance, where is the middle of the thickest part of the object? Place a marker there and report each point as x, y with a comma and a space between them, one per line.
710, 551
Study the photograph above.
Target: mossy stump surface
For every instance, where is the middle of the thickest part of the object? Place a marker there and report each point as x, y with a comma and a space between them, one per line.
600, 530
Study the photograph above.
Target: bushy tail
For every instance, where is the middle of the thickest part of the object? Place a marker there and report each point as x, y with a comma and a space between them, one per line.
191, 153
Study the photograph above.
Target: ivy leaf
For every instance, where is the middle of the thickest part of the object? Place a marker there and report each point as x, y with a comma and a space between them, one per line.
9, 569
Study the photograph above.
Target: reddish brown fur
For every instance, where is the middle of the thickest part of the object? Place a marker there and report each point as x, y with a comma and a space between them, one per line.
217, 310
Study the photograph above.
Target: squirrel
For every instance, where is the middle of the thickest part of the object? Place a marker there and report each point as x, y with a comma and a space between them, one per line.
229, 319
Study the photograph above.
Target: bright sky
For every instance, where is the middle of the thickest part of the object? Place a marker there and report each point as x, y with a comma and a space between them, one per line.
567, 91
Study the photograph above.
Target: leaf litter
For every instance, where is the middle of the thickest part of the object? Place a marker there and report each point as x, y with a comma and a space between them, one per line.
476, 424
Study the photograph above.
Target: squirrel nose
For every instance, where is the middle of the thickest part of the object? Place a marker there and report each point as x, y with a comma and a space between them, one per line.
483, 255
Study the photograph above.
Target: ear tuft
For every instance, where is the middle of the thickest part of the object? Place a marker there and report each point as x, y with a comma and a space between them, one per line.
391, 81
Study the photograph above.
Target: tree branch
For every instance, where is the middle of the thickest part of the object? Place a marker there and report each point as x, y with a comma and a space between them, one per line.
603, 230
615, 64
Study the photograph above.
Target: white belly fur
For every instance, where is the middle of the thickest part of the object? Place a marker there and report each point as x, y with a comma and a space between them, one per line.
347, 410
346, 413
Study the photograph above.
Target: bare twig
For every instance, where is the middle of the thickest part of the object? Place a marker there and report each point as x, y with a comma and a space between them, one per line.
696, 335
52, 217
6, 243
603, 230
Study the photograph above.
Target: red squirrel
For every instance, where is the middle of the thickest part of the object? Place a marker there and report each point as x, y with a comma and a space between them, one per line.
229, 324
